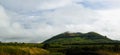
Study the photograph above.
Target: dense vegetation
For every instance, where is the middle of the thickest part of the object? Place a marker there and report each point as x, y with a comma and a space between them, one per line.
68, 38
15, 50
65, 44
59, 49
90, 43
22, 49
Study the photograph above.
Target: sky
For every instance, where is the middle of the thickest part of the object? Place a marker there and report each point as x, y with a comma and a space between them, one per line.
38, 20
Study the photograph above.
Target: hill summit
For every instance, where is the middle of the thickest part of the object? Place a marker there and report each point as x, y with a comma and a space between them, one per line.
69, 38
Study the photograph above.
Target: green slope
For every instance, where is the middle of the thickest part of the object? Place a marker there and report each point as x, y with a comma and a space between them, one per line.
69, 38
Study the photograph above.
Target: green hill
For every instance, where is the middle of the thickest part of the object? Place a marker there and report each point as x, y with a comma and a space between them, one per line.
69, 38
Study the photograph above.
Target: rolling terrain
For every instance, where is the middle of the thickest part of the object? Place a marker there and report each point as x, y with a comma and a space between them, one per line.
69, 38
66, 43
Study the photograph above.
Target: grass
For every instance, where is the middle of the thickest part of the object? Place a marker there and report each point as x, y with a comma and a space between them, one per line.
58, 49
17, 50
106, 52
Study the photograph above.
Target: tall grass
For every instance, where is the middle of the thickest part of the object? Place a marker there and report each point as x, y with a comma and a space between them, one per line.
16, 50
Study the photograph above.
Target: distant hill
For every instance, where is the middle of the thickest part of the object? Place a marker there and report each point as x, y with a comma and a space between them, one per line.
69, 38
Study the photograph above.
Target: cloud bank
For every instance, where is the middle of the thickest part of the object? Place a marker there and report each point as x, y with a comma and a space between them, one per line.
36, 21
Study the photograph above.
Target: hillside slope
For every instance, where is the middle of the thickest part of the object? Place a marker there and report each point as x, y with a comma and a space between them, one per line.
90, 37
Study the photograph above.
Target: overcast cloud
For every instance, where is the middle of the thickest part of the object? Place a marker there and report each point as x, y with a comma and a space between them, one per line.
38, 20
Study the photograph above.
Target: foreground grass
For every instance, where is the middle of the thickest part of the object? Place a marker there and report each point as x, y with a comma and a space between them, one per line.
106, 52
58, 49
17, 50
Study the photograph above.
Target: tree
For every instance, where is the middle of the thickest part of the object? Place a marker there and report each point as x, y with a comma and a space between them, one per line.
45, 46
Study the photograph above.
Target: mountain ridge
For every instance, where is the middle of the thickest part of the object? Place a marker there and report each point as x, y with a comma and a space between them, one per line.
78, 37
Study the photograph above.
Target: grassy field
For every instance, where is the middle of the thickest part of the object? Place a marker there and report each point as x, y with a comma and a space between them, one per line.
58, 49
17, 50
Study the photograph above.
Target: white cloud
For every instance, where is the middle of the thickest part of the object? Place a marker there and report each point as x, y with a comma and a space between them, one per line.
46, 24
41, 19
110, 22
4, 21
101, 4
29, 6
3, 17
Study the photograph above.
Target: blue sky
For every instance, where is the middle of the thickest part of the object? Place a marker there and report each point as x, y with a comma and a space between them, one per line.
38, 20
